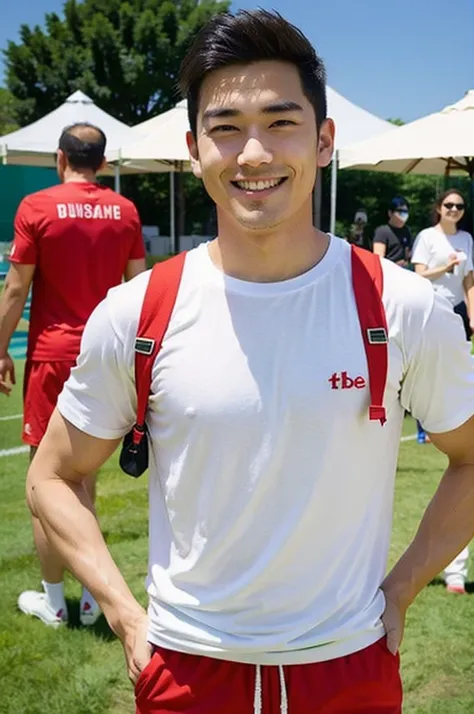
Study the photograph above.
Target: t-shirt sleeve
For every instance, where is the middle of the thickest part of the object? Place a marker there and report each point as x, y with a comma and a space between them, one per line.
25, 244
380, 235
138, 245
438, 387
99, 397
420, 252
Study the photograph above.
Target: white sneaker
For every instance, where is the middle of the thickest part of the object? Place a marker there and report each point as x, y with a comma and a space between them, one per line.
455, 584
89, 613
37, 604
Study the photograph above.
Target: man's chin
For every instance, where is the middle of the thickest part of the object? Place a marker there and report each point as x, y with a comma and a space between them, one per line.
258, 223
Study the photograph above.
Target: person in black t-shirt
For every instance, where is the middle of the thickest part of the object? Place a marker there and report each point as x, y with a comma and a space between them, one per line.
394, 240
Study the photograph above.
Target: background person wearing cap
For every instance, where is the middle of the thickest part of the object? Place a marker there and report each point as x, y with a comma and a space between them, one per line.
356, 234
72, 243
394, 240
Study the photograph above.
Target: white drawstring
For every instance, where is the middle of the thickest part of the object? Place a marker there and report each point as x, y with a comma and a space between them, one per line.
283, 693
257, 700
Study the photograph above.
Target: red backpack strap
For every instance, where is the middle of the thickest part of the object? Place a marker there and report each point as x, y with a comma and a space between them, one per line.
158, 304
367, 283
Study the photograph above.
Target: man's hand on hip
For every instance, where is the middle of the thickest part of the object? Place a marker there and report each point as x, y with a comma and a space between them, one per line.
7, 374
134, 637
393, 620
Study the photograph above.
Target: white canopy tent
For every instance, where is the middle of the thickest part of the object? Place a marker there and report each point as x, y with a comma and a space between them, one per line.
352, 124
162, 138
163, 135
37, 143
440, 143
160, 141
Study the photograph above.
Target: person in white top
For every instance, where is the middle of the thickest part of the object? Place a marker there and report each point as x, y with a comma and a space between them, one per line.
443, 254
271, 491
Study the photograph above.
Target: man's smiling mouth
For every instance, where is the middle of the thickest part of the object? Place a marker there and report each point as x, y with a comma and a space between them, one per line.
260, 184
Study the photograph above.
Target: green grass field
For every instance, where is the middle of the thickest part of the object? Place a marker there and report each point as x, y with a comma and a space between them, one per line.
79, 671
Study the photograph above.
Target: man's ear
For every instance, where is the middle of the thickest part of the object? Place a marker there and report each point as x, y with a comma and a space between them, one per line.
61, 160
327, 133
194, 154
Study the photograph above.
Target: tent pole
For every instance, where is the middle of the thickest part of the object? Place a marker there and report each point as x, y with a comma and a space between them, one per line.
332, 222
181, 208
117, 177
470, 169
172, 214
472, 203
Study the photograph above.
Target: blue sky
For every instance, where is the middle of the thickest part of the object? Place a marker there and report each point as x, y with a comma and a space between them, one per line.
396, 59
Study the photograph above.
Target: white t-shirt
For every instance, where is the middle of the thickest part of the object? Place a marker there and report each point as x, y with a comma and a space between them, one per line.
270, 490
432, 248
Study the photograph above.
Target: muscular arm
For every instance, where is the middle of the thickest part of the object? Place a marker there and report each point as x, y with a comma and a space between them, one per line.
134, 268
438, 389
447, 525
12, 303
57, 496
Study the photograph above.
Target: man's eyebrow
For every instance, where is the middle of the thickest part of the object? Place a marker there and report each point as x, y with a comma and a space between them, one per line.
280, 107
221, 113
275, 108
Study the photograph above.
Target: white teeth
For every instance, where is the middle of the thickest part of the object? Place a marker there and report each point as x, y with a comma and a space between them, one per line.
258, 185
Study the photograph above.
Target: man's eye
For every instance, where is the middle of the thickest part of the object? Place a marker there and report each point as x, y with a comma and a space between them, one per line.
284, 122
223, 128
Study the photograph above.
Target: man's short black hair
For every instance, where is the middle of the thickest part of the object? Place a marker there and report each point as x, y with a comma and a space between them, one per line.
246, 37
83, 145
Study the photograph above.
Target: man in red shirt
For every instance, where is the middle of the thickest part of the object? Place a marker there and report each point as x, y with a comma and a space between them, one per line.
72, 243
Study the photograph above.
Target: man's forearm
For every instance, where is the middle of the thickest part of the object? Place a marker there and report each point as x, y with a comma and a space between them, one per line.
12, 303
68, 518
446, 528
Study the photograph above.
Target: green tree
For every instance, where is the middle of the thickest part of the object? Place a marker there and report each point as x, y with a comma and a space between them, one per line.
397, 121
8, 112
125, 54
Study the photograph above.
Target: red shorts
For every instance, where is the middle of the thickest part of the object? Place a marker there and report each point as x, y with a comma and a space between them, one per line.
42, 386
366, 682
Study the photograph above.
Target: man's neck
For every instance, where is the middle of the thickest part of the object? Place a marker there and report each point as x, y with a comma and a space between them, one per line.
280, 255
79, 177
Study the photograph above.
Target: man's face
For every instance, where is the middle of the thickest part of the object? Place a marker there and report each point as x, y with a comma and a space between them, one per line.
399, 217
257, 149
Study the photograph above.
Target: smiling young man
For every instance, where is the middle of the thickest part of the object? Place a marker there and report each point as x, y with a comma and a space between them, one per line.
268, 541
